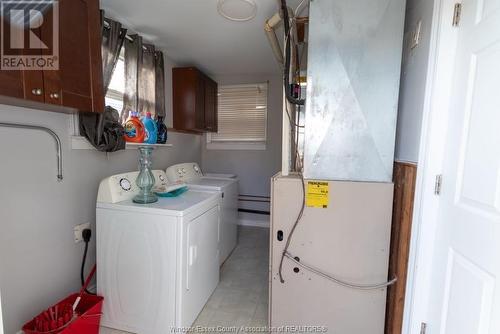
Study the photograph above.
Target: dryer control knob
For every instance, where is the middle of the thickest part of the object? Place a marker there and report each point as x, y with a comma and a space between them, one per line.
125, 184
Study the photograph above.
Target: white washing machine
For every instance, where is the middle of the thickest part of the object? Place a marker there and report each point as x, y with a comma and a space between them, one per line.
227, 186
157, 263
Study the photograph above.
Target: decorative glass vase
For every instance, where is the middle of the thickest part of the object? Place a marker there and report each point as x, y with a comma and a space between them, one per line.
146, 180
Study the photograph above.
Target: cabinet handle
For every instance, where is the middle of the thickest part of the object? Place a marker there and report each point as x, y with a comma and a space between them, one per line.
37, 91
54, 96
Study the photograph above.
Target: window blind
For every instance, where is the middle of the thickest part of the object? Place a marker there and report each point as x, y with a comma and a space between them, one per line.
242, 113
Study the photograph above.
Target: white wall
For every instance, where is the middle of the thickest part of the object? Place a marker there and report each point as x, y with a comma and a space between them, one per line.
413, 80
39, 262
254, 168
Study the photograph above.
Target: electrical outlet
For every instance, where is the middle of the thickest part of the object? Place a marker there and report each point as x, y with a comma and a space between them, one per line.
78, 231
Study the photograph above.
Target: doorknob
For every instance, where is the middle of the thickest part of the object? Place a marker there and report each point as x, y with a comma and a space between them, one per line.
37, 91
54, 96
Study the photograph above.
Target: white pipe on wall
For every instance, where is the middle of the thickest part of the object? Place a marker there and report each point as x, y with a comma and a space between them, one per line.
273, 39
269, 28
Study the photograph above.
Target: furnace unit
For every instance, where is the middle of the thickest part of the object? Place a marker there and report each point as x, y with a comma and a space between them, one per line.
329, 265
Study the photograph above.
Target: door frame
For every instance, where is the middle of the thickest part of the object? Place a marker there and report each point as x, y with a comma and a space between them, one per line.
433, 135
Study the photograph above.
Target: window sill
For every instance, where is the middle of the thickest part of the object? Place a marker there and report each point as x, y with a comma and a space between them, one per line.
236, 146
81, 143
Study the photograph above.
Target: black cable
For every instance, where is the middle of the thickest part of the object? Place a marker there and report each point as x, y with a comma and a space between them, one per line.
87, 234
286, 71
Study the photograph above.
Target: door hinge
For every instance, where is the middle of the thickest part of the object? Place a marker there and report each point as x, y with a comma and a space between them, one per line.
437, 184
423, 328
457, 14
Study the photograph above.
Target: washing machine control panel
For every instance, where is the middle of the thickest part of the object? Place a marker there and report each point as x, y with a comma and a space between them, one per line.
122, 187
186, 172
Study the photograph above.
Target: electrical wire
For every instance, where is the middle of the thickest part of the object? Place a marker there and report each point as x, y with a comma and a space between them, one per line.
82, 271
286, 70
313, 269
292, 231
299, 9
339, 281
292, 123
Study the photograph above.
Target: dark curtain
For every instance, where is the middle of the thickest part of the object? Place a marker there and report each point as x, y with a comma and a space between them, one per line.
159, 84
144, 79
113, 36
104, 130
133, 60
147, 90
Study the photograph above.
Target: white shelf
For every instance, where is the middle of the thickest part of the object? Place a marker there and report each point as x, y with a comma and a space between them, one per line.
81, 143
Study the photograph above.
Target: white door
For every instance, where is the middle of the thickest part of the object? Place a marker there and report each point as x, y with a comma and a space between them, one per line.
464, 290
201, 266
229, 221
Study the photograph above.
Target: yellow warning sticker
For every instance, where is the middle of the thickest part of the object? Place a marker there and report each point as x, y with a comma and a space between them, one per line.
317, 194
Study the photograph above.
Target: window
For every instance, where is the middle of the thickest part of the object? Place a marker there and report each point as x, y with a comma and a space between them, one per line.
114, 95
242, 118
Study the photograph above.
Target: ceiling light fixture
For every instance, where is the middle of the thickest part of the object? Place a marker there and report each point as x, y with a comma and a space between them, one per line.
232, 17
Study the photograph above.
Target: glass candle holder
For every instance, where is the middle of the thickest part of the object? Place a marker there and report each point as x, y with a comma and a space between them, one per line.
146, 180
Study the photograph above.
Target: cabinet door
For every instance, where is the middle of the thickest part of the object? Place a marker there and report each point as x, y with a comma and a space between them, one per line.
194, 100
78, 82
200, 102
184, 94
33, 80
210, 111
23, 84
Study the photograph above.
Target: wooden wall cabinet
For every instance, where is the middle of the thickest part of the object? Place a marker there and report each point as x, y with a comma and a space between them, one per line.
78, 82
194, 100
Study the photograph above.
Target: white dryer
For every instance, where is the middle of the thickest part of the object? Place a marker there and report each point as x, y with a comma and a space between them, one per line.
227, 186
157, 263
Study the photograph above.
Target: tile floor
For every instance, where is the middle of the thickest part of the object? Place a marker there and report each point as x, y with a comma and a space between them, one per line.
241, 298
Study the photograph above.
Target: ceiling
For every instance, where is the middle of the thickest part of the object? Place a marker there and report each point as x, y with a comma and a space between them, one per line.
193, 33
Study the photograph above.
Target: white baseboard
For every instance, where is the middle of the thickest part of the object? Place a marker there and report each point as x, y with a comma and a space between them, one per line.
253, 223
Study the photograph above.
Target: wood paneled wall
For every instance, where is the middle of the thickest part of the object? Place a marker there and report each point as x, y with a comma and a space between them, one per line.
404, 194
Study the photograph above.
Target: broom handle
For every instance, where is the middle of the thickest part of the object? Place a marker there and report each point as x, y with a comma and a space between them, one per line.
87, 281
84, 287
